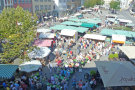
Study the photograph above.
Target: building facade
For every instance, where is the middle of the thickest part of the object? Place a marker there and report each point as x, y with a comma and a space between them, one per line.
124, 4
43, 7
25, 4
65, 6
5, 4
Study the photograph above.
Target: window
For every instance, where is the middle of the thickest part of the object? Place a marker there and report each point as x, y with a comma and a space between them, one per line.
45, 7
49, 7
36, 0
41, 7
19, 1
49, 0
30, 9
36, 8
41, 0
15, 1
22, 1
45, 0
29, 1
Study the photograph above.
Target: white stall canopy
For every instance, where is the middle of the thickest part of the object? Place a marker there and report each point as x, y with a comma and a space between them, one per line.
39, 52
68, 32
118, 38
129, 51
125, 20
95, 37
43, 30
30, 66
71, 33
116, 73
46, 35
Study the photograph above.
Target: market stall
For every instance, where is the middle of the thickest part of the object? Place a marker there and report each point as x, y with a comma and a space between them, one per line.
120, 39
40, 52
69, 33
30, 66
116, 73
128, 50
124, 21
43, 43
7, 71
47, 35
95, 37
43, 30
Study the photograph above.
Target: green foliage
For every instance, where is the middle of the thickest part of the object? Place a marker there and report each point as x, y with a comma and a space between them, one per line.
111, 56
115, 5
17, 30
92, 72
116, 55
92, 3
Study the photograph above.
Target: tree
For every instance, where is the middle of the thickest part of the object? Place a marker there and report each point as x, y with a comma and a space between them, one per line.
115, 5
92, 3
17, 31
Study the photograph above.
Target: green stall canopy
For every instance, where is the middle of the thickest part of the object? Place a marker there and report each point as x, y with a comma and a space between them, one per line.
7, 71
61, 27
71, 23
89, 25
109, 32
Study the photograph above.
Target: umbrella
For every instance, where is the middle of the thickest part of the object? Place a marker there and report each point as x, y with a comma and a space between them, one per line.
30, 66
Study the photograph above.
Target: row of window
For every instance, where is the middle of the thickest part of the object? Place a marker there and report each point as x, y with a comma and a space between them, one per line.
29, 9
42, 7
43, 0
22, 1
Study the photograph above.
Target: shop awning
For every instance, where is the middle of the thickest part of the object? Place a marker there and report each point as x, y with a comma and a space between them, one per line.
7, 71
116, 73
129, 51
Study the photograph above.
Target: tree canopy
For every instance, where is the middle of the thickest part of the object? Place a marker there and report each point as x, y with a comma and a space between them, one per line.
115, 5
16, 32
92, 3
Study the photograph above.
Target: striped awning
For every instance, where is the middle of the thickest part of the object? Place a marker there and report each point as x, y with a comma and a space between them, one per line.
7, 71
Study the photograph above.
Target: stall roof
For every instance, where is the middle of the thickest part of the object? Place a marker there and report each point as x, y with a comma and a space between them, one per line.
119, 37
95, 36
43, 43
46, 35
128, 50
78, 29
116, 73
40, 52
89, 25
30, 66
125, 20
43, 30
93, 20
68, 32
71, 23
109, 32
7, 71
